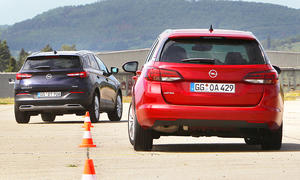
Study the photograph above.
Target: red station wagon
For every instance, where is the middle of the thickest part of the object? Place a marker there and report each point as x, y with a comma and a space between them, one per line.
205, 82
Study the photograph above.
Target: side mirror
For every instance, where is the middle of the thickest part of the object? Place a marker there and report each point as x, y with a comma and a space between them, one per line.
131, 66
277, 69
114, 70
11, 81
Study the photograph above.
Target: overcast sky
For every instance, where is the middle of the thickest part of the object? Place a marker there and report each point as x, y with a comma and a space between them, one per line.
12, 11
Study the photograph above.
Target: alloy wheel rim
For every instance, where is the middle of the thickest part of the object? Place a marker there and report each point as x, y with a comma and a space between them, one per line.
131, 123
96, 107
119, 106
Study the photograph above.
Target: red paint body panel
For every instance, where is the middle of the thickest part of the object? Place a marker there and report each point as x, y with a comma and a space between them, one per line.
246, 94
171, 101
151, 106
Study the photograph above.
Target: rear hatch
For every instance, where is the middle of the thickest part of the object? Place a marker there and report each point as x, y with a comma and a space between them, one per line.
51, 75
213, 72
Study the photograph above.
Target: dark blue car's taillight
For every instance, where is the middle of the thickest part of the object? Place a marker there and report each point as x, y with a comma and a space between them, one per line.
20, 76
82, 74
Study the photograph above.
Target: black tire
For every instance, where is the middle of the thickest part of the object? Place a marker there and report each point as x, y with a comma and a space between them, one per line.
95, 108
142, 139
252, 141
116, 114
48, 117
21, 117
272, 140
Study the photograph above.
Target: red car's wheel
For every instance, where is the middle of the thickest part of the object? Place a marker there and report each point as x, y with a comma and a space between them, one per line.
140, 138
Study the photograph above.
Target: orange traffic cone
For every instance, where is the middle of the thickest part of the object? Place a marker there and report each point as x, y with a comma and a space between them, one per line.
89, 170
87, 120
87, 140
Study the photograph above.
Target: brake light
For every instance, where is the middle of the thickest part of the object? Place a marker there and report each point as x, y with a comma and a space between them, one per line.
82, 74
20, 76
263, 77
156, 74
22, 94
76, 92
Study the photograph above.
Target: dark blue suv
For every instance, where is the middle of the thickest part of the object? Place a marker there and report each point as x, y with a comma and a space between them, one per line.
66, 82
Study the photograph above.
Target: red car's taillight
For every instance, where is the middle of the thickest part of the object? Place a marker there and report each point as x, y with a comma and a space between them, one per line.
82, 74
156, 74
20, 76
263, 77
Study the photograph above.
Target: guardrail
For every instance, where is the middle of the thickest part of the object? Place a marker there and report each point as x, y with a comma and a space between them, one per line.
289, 79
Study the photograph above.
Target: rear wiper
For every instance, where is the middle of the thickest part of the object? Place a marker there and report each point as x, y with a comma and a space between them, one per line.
199, 60
42, 67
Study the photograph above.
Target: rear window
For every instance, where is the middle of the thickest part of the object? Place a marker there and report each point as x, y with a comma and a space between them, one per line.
219, 51
52, 62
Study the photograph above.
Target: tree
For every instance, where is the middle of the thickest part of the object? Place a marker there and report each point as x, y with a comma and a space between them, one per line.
4, 55
47, 48
66, 47
12, 65
22, 56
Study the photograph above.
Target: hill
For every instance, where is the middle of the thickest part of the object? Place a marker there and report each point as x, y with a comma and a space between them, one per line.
284, 44
3, 28
129, 24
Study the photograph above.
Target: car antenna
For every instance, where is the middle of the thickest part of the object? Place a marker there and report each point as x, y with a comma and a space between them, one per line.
211, 29
55, 52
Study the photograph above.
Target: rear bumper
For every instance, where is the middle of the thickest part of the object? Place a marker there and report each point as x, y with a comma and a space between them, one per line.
70, 103
151, 115
152, 110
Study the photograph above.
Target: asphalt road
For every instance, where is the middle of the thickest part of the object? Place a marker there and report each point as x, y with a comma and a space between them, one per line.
41, 150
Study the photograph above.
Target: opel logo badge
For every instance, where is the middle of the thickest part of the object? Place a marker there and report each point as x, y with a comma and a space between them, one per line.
213, 73
48, 76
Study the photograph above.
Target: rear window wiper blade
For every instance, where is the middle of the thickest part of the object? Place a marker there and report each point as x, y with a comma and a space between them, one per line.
199, 60
42, 67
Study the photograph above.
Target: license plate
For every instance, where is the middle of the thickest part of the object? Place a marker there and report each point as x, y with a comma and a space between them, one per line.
48, 94
212, 87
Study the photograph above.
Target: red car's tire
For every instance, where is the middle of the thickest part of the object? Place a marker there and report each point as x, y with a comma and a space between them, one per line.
272, 140
140, 138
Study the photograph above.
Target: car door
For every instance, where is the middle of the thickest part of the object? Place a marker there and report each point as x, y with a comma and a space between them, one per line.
109, 88
96, 75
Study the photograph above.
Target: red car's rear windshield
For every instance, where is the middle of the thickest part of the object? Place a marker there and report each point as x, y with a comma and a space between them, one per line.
52, 62
219, 51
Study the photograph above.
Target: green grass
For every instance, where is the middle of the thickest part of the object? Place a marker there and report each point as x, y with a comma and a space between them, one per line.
72, 165
292, 95
5, 101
